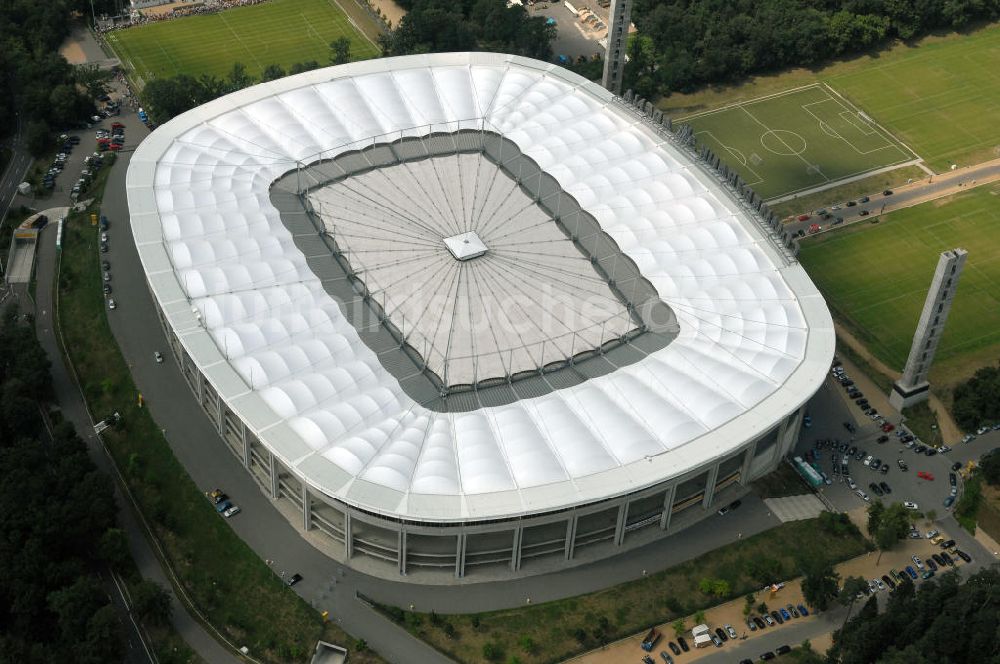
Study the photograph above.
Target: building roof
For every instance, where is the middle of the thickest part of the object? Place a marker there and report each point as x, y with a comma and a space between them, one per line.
754, 342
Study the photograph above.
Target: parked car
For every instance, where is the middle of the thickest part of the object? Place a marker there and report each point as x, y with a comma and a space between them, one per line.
949, 501
910, 505
916, 561
912, 572
158, 356
223, 506
293, 579
732, 632
674, 648
667, 659
785, 614
722, 636
682, 642
112, 304
235, 509
777, 617
885, 487
803, 610
792, 610
782, 650
947, 559
766, 656
751, 624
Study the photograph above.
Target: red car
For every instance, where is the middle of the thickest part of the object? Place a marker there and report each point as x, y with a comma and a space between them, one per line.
117, 125
925, 475
887, 427
803, 217
815, 228
115, 147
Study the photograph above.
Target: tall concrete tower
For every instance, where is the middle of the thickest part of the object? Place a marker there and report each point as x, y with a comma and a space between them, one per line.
912, 387
620, 17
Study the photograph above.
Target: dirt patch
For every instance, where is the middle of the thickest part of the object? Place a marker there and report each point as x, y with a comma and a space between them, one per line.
390, 10
73, 52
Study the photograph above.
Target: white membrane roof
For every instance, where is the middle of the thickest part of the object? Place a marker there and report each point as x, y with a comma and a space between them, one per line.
755, 337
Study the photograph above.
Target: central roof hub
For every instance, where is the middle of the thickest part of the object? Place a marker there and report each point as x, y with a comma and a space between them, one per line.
465, 246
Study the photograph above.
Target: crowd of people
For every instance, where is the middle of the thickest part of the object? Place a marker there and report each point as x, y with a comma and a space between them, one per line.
139, 17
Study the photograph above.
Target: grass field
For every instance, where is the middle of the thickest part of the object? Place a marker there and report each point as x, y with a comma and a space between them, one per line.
279, 32
937, 95
875, 278
796, 140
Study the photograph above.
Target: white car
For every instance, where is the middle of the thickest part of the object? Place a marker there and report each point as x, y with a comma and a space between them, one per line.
159, 357
873, 586
916, 561
111, 303
235, 509
931, 534
732, 632
851, 484
104, 237
880, 584
911, 506
981, 430
869, 459
863, 496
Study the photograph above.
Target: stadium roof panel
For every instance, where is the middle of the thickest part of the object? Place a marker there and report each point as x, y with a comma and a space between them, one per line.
754, 341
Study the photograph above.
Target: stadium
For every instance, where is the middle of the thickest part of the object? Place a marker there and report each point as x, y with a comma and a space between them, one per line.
468, 314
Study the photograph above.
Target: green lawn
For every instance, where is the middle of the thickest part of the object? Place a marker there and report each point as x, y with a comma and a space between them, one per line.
279, 32
937, 95
875, 278
797, 140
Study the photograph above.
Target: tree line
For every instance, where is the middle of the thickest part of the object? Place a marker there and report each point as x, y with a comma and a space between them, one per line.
683, 44
57, 525
36, 82
438, 26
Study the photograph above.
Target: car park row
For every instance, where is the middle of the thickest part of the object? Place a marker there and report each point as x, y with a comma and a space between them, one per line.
703, 636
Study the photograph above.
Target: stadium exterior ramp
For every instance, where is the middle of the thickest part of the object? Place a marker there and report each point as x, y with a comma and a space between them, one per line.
264, 220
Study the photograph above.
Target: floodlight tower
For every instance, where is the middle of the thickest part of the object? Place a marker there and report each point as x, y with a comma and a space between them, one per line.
912, 387
619, 18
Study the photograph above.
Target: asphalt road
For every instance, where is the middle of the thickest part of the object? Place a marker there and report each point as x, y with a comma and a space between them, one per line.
937, 186
18, 165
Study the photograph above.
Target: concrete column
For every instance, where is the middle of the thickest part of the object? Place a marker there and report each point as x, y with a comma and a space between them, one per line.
571, 536
401, 552
220, 415
620, 523
348, 535
273, 466
306, 508
246, 445
460, 556
713, 477
515, 552
747, 464
668, 506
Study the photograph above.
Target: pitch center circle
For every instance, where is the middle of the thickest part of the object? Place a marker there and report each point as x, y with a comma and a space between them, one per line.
783, 142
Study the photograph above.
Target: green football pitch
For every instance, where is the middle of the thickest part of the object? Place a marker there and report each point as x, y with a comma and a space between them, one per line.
280, 32
796, 140
875, 278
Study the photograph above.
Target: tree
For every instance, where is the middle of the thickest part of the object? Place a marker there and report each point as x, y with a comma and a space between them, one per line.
989, 466
151, 602
272, 73
748, 606
340, 51
931, 516
113, 548
75, 604
699, 617
875, 512
238, 78
491, 651
679, 627
853, 587
819, 583
300, 67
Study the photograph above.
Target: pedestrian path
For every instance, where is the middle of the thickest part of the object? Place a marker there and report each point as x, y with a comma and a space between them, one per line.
795, 508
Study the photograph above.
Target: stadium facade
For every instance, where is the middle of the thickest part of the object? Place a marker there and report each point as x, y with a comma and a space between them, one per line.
467, 311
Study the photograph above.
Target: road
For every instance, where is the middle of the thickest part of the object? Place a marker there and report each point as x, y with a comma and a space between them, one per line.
921, 191
20, 162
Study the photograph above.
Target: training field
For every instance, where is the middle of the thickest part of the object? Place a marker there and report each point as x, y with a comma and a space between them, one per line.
796, 140
938, 95
279, 32
876, 278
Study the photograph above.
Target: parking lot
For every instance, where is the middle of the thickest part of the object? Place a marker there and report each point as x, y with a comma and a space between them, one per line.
572, 38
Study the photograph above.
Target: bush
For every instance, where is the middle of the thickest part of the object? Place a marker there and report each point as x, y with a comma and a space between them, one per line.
491, 651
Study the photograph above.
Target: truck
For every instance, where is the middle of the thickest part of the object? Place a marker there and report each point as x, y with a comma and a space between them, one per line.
702, 641
650, 640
